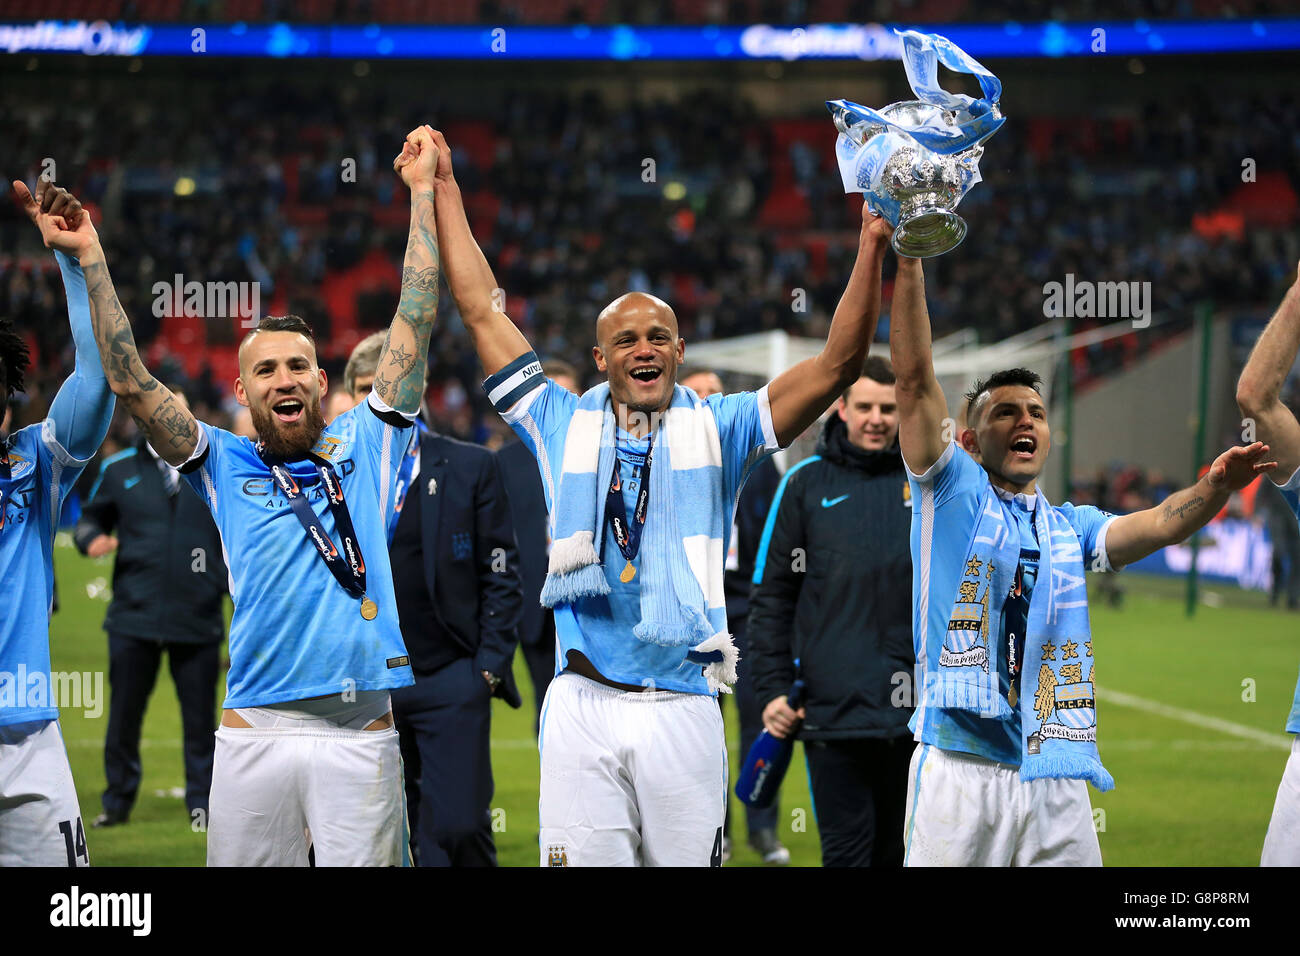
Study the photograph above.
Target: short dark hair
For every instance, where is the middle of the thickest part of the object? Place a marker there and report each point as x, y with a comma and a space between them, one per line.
279, 323
13, 357
1008, 376
877, 368
285, 323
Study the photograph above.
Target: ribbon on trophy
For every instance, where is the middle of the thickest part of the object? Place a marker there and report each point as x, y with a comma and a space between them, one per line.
916, 160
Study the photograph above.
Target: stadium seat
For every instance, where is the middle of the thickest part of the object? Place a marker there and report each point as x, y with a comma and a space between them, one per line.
785, 209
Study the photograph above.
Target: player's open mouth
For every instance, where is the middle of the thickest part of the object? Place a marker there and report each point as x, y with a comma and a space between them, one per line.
1024, 447
646, 375
288, 411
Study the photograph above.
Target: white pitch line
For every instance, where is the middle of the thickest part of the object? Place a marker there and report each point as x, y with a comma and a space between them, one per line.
1278, 741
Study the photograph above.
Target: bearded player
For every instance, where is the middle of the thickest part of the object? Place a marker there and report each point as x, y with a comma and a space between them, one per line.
1006, 716
40, 818
306, 741
641, 477
1259, 395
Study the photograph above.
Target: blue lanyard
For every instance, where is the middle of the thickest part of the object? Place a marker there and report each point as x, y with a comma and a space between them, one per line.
627, 534
352, 577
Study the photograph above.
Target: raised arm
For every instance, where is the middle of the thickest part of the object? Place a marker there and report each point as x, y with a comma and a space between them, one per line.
1133, 537
83, 408
800, 394
1259, 390
497, 340
169, 426
399, 376
922, 409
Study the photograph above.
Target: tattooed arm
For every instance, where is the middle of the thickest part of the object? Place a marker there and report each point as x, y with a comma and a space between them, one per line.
399, 376
168, 425
1133, 537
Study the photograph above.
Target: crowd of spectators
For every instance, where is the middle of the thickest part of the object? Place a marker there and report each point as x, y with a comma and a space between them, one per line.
558, 190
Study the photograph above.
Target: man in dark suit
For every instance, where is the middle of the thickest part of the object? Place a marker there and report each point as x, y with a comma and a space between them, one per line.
456, 577
167, 585
528, 511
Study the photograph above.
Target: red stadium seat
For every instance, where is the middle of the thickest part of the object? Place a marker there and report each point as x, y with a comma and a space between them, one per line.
481, 208
475, 137
785, 209
1269, 201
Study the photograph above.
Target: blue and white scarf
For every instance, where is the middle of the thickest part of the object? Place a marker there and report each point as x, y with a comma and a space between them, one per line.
1058, 715
681, 555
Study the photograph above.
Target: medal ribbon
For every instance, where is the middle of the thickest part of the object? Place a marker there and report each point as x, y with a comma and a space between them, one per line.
627, 534
348, 568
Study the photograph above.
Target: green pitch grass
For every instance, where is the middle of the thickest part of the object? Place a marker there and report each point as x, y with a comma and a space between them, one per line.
1185, 795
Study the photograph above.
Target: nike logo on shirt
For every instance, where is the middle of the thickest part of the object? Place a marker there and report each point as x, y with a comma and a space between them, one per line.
833, 501
131, 482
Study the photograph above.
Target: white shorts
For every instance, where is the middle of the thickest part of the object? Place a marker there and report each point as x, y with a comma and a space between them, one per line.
630, 778
964, 810
40, 818
307, 774
1282, 843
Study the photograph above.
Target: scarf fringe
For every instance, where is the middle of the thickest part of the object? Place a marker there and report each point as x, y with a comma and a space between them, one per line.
720, 674
568, 587
1071, 766
951, 692
576, 551
672, 635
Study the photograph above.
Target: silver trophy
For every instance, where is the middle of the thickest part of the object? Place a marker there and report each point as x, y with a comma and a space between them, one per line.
916, 159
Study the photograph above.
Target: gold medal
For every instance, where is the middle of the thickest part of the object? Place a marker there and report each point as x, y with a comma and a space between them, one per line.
628, 574
1012, 696
369, 609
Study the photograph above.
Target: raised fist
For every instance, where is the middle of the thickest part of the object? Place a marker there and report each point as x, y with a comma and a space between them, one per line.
63, 223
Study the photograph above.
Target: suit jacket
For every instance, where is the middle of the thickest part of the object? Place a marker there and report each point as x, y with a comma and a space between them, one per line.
528, 510
471, 565
168, 571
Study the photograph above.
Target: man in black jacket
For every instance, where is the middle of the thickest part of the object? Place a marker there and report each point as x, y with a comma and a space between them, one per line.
456, 577
832, 590
167, 585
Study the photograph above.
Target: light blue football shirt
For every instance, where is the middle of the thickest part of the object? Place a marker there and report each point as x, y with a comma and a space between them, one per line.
44, 465
601, 627
1291, 492
946, 502
42, 474
296, 632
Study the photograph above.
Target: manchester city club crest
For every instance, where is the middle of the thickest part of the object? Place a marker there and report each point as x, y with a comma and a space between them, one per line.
1068, 708
328, 447
966, 644
557, 855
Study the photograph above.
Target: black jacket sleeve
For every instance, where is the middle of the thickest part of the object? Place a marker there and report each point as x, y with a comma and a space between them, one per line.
778, 578
99, 514
501, 594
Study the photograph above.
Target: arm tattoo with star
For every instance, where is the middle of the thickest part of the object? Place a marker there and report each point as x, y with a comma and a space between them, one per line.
400, 377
